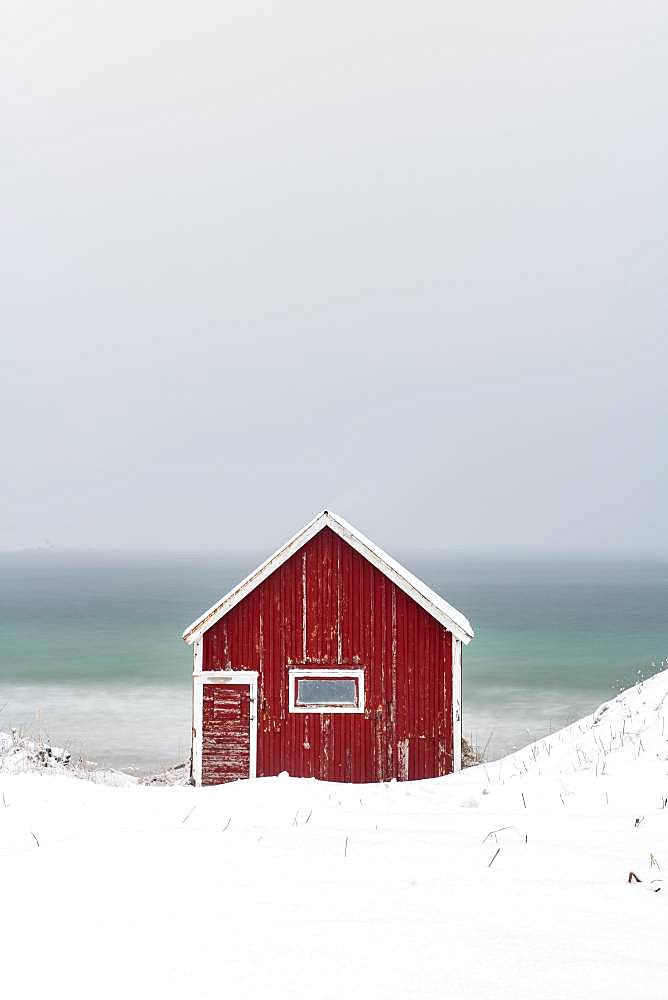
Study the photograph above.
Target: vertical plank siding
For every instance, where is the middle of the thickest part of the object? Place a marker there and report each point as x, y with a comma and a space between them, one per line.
326, 605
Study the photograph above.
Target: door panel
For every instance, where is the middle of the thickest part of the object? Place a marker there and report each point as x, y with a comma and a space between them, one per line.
225, 733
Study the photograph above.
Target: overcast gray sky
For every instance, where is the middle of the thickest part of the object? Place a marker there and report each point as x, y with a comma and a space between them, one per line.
404, 260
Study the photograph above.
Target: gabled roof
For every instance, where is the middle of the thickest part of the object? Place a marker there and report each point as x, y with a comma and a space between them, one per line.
423, 595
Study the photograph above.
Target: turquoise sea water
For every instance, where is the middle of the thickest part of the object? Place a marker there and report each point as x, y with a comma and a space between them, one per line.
91, 655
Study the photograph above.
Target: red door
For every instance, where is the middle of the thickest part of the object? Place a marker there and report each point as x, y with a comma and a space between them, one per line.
225, 733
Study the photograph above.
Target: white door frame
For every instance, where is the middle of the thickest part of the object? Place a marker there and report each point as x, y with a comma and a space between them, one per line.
201, 678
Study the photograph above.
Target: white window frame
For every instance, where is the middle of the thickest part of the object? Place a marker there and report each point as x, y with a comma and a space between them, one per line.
325, 673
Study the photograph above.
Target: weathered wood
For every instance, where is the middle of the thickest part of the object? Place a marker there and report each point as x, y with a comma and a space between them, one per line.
328, 608
225, 733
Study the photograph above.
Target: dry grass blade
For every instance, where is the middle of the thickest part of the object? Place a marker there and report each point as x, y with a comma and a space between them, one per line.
500, 829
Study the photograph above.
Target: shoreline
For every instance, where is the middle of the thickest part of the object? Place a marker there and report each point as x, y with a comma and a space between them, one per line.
33, 742
144, 728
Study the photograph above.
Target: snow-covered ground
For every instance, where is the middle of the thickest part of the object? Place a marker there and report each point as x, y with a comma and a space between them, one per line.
507, 880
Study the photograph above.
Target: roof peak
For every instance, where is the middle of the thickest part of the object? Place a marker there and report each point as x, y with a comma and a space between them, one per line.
427, 598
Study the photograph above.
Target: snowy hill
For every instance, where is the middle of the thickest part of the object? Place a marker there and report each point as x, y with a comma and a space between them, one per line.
507, 880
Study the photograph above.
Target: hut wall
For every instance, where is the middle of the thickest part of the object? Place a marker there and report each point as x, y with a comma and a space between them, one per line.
327, 606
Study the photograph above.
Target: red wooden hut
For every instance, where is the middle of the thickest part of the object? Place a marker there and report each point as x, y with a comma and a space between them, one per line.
331, 661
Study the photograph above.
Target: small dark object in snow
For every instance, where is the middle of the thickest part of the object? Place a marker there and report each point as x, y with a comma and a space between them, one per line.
633, 877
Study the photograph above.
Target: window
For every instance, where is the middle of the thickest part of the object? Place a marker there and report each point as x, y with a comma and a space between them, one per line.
326, 690
320, 691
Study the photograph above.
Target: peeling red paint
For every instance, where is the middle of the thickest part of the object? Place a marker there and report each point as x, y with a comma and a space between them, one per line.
327, 606
225, 733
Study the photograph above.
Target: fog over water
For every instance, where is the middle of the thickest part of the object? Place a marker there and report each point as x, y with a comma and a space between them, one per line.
405, 262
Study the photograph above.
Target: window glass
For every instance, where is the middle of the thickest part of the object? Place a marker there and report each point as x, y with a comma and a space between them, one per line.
321, 691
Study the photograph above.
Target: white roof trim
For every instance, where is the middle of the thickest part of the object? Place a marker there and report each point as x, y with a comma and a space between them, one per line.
423, 595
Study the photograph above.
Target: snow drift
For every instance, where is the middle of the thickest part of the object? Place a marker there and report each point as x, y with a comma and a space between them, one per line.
510, 879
